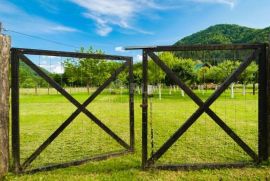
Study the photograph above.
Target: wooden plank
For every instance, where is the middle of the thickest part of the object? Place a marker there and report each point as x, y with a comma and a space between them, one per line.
69, 54
78, 162
263, 127
4, 103
131, 105
144, 110
15, 128
199, 166
268, 96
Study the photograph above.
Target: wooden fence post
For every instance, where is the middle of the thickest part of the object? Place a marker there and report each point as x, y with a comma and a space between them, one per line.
268, 96
4, 103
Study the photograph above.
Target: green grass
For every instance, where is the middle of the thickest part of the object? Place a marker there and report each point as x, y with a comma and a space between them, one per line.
204, 142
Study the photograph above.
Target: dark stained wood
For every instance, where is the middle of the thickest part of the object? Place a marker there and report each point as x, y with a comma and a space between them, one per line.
131, 105
263, 96
78, 162
15, 128
199, 166
268, 97
144, 110
69, 54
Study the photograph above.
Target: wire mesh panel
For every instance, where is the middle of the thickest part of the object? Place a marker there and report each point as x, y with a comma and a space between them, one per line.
74, 107
206, 107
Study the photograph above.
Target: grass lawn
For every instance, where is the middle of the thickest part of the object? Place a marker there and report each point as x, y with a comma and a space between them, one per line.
204, 142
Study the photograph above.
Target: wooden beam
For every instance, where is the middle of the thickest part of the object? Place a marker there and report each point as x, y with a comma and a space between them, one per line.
268, 97
4, 103
69, 54
263, 130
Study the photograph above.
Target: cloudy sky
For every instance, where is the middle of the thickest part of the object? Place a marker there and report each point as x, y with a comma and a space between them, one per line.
112, 24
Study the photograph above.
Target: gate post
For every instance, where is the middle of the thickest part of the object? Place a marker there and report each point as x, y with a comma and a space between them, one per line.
268, 95
263, 103
15, 131
4, 102
131, 105
144, 109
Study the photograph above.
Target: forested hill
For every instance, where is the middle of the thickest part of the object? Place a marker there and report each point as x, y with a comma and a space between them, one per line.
226, 34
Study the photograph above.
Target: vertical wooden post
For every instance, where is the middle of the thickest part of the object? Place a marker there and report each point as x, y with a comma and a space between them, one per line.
4, 103
15, 128
263, 102
144, 109
268, 96
131, 105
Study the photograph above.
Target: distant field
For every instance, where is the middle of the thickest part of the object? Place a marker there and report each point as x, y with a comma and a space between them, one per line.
41, 113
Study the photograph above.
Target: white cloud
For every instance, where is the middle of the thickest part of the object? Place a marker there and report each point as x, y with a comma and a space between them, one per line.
138, 58
231, 3
119, 49
16, 19
52, 64
64, 28
108, 13
55, 67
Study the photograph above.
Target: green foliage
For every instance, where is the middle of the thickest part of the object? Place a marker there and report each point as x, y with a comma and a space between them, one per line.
194, 72
184, 69
227, 33
91, 72
28, 78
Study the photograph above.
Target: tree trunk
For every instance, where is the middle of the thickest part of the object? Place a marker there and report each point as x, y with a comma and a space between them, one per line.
254, 88
159, 91
35, 90
182, 93
232, 90
203, 87
88, 89
244, 89
139, 90
4, 104
170, 92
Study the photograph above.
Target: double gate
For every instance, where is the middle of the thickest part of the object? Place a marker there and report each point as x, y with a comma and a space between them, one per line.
259, 51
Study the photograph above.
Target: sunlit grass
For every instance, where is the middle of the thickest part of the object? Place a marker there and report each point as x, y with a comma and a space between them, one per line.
204, 142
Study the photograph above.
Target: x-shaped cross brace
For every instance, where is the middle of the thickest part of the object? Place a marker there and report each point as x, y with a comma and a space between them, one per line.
203, 107
80, 108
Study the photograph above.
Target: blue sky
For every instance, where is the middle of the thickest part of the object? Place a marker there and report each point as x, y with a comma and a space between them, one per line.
112, 24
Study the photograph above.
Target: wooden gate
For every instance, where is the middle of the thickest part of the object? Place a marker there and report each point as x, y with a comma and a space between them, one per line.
258, 51
17, 55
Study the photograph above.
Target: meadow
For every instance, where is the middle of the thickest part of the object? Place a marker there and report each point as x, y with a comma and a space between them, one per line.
41, 113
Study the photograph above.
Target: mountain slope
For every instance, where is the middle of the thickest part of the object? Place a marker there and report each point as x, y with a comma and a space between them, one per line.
226, 34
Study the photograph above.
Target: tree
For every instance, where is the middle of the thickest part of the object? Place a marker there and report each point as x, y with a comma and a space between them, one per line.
249, 76
184, 69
